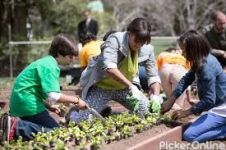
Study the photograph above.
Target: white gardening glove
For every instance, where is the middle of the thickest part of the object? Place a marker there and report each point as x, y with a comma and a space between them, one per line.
155, 104
137, 100
136, 93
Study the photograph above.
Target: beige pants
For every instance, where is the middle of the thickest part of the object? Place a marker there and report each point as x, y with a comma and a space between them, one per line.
170, 75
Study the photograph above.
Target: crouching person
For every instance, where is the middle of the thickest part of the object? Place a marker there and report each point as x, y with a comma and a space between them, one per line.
109, 76
211, 84
34, 85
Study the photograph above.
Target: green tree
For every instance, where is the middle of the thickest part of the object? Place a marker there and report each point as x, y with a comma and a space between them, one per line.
65, 15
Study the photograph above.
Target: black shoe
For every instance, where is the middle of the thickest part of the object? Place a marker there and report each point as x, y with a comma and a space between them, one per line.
106, 111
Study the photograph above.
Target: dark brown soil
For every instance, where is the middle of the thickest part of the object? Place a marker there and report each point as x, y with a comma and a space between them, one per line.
116, 107
136, 138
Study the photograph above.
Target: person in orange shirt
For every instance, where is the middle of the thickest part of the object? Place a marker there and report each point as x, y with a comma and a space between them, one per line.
90, 49
172, 66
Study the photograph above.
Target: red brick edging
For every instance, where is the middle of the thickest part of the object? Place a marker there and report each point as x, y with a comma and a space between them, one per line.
153, 143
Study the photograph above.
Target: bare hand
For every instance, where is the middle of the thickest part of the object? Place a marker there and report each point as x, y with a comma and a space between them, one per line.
165, 107
224, 55
82, 104
54, 108
180, 114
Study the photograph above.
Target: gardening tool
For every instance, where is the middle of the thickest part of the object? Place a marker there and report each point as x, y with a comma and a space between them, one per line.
95, 113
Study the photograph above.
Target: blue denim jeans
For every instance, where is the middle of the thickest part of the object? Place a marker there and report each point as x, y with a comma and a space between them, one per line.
41, 122
143, 78
206, 128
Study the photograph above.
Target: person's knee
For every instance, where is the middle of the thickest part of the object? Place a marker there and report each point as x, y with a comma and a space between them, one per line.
189, 136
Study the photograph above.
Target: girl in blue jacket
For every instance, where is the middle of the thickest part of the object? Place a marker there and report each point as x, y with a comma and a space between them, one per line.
211, 84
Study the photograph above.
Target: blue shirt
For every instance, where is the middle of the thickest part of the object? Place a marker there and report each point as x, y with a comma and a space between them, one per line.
211, 84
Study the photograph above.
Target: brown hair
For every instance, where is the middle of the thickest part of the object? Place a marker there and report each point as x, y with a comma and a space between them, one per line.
141, 29
195, 47
88, 37
63, 44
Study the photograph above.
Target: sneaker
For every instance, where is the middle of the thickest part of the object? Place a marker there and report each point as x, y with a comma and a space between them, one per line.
7, 127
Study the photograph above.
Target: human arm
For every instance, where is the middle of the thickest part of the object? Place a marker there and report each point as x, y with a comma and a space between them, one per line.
111, 57
181, 114
219, 52
154, 82
181, 86
154, 89
67, 99
167, 105
206, 88
78, 102
118, 76
49, 82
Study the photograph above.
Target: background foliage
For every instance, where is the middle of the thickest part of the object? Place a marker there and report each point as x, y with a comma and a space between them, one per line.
50, 17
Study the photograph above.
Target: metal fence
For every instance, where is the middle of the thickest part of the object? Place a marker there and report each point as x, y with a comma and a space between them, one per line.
13, 44
159, 43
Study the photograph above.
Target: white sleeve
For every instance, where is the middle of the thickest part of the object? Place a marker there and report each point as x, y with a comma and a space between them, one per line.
54, 96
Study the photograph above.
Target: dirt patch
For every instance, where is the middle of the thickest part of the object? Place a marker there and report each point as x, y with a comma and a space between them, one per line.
136, 138
4, 100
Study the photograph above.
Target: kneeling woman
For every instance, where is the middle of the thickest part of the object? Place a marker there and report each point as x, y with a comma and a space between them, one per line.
211, 84
109, 76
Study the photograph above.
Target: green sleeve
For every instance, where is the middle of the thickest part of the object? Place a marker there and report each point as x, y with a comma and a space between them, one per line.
49, 78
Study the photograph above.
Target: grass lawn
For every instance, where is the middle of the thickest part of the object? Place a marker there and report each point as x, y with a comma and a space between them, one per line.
161, 45
5, 82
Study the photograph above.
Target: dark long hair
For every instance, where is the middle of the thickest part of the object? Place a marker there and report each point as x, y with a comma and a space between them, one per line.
88, 37
195, 48
141, 28
63, 44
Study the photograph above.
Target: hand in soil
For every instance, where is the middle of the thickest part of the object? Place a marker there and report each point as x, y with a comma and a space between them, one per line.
165, 107
54, 108
181, 114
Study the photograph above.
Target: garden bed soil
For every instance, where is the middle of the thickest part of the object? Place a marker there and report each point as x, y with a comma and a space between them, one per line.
124, 144
150, 139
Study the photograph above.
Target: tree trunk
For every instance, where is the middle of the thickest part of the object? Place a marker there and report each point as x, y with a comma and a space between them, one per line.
18, 21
